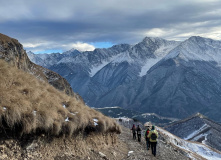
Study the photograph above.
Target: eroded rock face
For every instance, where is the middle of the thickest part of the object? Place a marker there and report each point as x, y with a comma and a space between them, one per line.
12, 52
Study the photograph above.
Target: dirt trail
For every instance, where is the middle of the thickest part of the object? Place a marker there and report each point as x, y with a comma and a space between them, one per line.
140, 152
138, 149
95, 147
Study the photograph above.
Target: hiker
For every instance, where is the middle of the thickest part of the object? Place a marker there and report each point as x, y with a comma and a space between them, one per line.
139, 133
153, 135
146, 138
134, 131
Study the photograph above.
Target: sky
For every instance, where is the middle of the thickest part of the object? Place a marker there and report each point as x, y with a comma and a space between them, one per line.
44, 26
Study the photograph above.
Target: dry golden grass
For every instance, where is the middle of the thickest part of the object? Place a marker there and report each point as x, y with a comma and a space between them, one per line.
36, 105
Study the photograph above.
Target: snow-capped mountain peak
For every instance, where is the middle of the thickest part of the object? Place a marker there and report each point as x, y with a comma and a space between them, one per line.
198, 49
160, 48
153, 39
72, 51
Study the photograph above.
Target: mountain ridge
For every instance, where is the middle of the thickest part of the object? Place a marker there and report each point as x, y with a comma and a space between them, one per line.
197, 128
184, 79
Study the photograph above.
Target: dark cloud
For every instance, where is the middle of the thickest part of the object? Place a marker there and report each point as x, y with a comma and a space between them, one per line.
53, 24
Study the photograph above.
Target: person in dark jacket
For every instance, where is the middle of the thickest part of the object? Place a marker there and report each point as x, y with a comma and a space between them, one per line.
146, 138
139, 133
153, 135
134, 131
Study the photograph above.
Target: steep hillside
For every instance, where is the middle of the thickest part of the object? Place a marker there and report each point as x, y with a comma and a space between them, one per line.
34, 117
198, 128
12, 52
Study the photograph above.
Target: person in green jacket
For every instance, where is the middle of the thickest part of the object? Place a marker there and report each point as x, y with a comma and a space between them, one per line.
153, 135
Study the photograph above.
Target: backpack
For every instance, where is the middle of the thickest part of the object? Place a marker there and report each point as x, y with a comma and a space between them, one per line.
138, 130
147, 132
153, 136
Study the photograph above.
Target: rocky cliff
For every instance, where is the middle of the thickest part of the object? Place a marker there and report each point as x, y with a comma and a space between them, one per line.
13, 53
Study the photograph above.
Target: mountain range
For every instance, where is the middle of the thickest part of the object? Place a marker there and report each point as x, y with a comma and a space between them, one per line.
169, 78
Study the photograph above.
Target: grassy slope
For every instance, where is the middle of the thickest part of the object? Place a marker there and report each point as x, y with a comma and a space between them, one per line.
34, 105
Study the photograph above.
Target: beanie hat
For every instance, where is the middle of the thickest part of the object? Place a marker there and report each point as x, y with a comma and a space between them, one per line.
153, 127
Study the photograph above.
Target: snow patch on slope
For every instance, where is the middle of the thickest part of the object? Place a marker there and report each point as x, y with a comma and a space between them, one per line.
123, 57
95, 121
165, 49
159, 53
149, 63
204, 141
197, 48
114, 59
193, 134
95, 69
193, 149
107, 107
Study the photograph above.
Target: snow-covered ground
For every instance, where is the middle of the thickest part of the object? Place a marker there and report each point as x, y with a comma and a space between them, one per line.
194, 133
199, 49
161, 52
107, 107
98, 67
149, 63
194, 149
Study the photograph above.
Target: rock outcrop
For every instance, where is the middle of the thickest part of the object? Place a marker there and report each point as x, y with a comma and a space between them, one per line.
13, 53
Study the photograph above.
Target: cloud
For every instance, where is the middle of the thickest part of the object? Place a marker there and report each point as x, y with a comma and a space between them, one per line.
58, 47
39, 24
31, 45
80, 46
